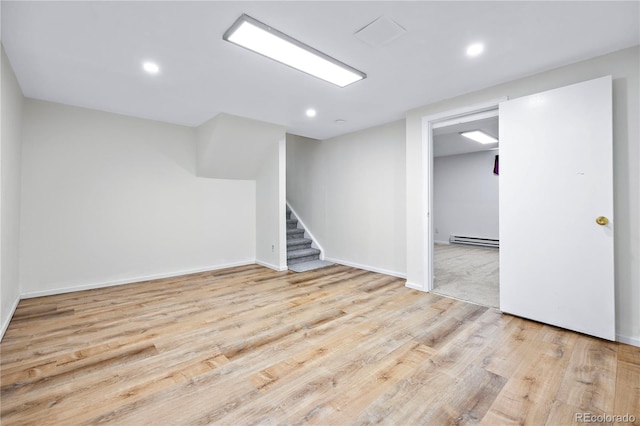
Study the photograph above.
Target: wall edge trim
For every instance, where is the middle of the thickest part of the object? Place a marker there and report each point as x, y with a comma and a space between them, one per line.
414, 286
633, 341
366, 267
271, 266
132, 280
7, 321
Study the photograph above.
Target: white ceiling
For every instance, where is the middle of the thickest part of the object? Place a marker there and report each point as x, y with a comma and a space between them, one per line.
89, 54
447, 140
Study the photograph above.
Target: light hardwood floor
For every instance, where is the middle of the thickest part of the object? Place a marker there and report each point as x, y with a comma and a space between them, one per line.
334, 346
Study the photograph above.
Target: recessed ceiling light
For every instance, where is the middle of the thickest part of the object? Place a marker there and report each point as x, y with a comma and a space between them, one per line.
151, 67
479, 136
311, 112
260, 38
475, 49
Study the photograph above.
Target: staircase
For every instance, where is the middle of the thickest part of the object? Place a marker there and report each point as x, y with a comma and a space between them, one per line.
299, 248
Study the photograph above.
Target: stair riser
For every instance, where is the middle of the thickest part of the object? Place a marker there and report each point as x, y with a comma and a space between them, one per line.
303, 259
299, 246
295, 235
295, 254
292, 225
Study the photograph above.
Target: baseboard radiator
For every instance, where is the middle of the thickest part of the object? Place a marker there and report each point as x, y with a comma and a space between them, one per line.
474, 241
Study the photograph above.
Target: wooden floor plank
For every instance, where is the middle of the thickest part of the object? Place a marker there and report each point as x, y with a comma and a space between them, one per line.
516, 339
466, 401
590, 380
529, 393
339, 345
627, 399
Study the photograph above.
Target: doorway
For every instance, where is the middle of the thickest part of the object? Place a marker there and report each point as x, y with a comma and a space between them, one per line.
465, 114
547, 194
465, 212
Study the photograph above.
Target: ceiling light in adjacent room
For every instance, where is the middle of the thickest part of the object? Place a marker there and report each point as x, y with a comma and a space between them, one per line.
260, 38
311, 112
151, 67
475, 49
479, 136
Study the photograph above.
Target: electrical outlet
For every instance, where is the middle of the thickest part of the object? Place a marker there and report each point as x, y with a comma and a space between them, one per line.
273, 248
437, 230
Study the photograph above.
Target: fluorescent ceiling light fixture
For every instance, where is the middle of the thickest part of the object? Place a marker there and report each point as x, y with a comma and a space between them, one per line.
260, 38
151, 67
479, 136
475, 49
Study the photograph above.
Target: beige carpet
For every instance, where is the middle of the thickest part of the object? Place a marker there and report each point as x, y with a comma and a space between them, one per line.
468, 273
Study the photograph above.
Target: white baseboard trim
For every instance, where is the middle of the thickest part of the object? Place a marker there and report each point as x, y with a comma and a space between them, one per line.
271, 266
446, 243
7, 320
367, 267
414, 286
633, 341
132, 280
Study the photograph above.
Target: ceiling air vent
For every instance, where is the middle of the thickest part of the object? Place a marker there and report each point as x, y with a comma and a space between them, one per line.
380, 32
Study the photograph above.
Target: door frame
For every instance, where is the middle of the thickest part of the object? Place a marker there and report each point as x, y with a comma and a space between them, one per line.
429, 122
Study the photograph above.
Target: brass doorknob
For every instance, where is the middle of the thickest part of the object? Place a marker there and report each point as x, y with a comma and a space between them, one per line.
601, 220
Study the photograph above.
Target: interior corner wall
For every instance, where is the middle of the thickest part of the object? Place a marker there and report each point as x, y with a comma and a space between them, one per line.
270, 208
233, 147
301, 175
110, 199
350, 192
624, 67
465, 196
10, 167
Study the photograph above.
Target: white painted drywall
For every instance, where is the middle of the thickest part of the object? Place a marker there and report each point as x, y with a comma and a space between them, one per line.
10, 166
232, 147
624, 66
109, 199
270, 208
350, 192
302, 175
465, 196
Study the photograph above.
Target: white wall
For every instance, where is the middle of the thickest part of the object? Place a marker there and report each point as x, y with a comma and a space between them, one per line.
109, 199
271, 237
10, 166
465, 196
624, 66
301, 174
350, 192
233, 147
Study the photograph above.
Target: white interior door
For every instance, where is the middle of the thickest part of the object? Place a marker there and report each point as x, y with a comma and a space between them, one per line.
556, 261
